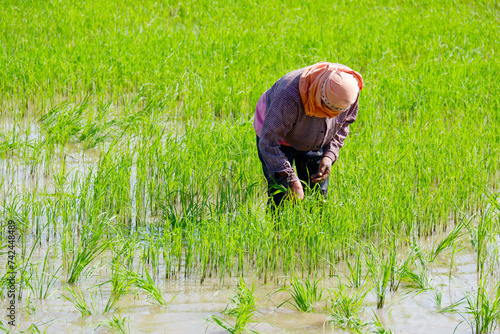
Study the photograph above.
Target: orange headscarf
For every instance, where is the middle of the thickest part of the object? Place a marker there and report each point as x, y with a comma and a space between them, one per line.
334, 84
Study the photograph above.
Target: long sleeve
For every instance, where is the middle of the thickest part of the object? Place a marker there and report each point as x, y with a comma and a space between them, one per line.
332, 150
280, 119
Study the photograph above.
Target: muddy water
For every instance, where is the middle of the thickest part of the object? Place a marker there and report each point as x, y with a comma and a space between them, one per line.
405, 311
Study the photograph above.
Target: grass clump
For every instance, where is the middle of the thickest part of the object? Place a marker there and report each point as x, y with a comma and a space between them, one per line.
91, 245
242, 307
346, 308
483, 309
42, 281
146, 283
78, 300
450, 241
117, 324
120, 284
355, 265
304, 293
379, 327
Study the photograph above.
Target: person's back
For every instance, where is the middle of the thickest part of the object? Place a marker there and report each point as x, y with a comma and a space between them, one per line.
304, 118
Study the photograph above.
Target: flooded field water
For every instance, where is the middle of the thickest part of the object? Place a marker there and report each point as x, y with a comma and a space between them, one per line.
191, 304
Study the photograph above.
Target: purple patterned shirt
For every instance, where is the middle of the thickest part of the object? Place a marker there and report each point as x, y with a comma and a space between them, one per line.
286, 119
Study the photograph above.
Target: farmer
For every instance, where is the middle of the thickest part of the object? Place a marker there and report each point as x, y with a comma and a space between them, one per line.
304, 118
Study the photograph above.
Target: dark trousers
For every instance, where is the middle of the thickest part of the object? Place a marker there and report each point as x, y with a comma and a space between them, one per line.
306, 164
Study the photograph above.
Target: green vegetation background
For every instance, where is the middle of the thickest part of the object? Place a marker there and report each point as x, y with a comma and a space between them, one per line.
426, 143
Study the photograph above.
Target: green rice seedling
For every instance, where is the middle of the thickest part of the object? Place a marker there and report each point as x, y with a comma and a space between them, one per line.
77, 299
304, 293
453, 307
438, 297
151, 252
346, 307
420, 254
449, 241
355, 267
28, 306
4, 284
120, 286
43, 281
116, 324
120, 281
67, 247
90, 247
483, 308
379, 327
419, 279
176, 115
77, 122
148, 285
184, 207
485, 230
242, 307
380, 268
399, 268
6, 329
25, 278
33, 328
452, 261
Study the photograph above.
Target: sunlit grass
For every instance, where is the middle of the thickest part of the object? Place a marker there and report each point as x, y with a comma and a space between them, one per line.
242, 307
304, 293
116, 324
78, 300
346, 307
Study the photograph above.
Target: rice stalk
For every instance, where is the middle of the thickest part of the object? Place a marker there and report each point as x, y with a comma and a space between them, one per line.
346, 307
304, 293
242, 307
148, 285
117, 324
380, 268
79, 301
90, 247
449, 241
43, 281
483, 308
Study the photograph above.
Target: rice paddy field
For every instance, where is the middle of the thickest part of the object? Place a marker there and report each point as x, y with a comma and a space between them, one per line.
132, 199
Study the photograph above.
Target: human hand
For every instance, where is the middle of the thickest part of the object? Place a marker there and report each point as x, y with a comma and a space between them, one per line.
325, 167
296, 191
